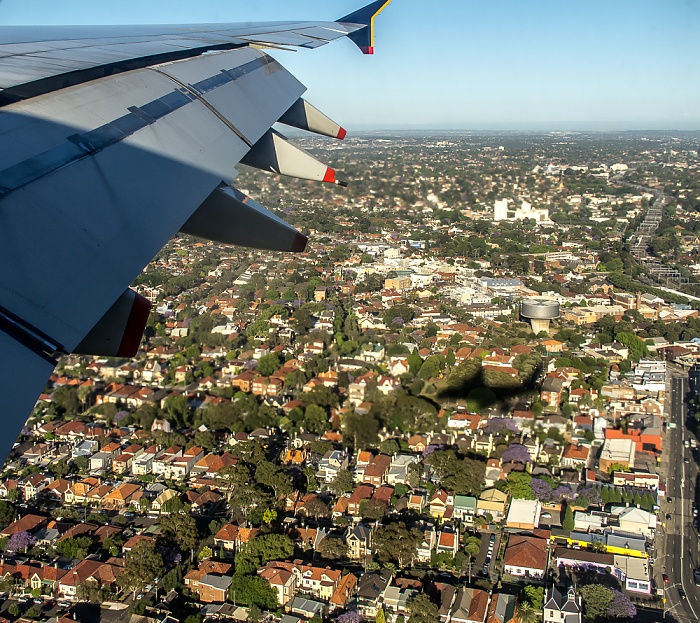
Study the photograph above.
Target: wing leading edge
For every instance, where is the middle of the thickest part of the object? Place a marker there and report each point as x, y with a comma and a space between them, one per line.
108, 152
35, 61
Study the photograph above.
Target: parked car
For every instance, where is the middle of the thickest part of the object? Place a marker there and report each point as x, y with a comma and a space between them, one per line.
23, 599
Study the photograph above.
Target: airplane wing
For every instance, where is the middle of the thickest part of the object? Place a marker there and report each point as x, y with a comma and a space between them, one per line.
115, 139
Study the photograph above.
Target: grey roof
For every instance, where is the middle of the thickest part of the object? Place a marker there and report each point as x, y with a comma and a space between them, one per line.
222, 582
617, 538
505, 607
361, 531
372, 585
306, 606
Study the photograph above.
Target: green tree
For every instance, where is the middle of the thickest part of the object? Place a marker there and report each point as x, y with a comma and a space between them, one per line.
414, 362
526, 613
568, 523
362, 430
76, 548
316, 419
268, 364
533, 595
396, 543
422, 610
372, 510
142, 565
596, 600
275, 477
8, 513
519, 486
251, 590
332, 549
342, 483
381, 617
179, 529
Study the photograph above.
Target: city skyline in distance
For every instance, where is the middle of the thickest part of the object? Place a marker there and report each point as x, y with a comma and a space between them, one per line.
458, 65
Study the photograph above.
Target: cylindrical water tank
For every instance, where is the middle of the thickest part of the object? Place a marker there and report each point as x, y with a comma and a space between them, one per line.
539, 309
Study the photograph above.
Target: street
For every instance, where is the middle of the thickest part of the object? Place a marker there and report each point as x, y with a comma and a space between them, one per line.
681, 546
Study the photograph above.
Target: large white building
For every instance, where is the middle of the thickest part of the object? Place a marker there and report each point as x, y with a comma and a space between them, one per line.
525, 211
500, 210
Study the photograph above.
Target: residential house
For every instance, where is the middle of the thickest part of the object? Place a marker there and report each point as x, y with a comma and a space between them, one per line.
502, 609
464, 508
88, 572
27, 523
371, 589
441, 503
469, 606
559, 608
575, 456
448, 541
424, 551
396, 600
359, 541
399, 469
282, 581
363, 492
122, 496
492, 502
525, 556
214, 588
329, 466
225, 539
376, 472
551, 391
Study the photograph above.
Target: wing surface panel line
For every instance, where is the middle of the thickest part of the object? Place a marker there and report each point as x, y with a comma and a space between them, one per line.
211, 108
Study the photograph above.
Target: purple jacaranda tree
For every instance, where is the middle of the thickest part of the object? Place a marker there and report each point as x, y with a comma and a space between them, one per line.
498, 425
542, 490
350, 617
562, 492
251, 364
120, 416
620, 607
590, 496
398, 321
171, 555
432, 448
20, 542
516, 453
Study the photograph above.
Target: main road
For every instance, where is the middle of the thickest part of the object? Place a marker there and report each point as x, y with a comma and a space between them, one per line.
681, 547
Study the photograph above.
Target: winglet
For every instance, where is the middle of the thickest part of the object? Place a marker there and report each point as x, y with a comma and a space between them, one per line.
364, 38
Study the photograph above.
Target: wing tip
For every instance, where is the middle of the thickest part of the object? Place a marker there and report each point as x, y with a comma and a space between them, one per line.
329, 177
135, 327
299, 243
364, 38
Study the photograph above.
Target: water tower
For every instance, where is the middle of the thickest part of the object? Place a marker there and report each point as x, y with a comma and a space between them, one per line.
539, 312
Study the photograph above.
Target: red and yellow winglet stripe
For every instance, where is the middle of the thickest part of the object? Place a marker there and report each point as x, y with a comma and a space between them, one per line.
364, 38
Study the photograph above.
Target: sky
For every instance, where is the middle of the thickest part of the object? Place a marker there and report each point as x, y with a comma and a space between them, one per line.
465, 64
